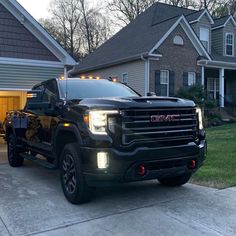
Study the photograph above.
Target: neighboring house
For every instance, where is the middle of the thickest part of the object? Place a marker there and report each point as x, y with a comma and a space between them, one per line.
168, 47
28, 55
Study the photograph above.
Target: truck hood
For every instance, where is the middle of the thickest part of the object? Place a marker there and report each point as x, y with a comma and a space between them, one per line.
134, 102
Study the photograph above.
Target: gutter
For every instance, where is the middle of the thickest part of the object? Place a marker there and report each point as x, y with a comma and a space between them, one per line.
145, 55
217, 64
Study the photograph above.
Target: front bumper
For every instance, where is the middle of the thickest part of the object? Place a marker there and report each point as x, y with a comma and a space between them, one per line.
159, 163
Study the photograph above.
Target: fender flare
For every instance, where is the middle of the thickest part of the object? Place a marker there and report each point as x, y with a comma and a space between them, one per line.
60, 128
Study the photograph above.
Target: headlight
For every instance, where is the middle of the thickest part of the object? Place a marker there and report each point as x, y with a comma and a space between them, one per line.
200, 122
98, 121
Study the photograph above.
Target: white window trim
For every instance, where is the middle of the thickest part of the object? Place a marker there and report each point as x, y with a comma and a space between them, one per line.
127, 74
229, 44
192, 72
168, 83
208, 44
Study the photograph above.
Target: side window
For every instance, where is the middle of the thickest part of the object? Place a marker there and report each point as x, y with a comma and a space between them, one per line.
125, 77
164, 82
51, 93
204, 37
39, 98
191, 78
229, 44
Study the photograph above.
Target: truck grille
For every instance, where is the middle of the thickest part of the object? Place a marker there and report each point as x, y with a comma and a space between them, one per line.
159, 124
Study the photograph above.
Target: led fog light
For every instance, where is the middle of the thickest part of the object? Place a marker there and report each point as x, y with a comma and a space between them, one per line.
102, 160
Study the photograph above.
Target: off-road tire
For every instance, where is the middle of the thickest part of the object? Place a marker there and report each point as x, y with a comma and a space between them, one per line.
14, 159
175, 181
73, 183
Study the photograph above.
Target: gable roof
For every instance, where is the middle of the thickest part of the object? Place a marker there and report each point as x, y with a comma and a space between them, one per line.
222, 22
140, 36
200, 14
38, 31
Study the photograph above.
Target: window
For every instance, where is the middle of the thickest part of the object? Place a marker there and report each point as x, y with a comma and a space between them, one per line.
229, 44
204, 37
125, 78
178, 40
164, 82
191, 78
213, 88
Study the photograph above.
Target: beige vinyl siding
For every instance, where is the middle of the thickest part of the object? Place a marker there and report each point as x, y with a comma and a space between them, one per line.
135, 71
203, 23
217, 40
24, 77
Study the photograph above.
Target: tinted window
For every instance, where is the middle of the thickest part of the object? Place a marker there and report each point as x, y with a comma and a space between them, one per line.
80, 89
51, 91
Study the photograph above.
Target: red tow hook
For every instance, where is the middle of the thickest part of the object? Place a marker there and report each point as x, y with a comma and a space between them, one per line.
141, 170
192, 164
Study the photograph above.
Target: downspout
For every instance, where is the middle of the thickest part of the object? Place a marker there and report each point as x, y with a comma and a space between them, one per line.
146, 71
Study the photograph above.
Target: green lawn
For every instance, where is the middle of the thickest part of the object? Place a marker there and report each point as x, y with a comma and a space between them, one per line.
219, 170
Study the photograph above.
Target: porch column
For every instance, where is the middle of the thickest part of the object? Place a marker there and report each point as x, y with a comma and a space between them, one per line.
222, 87
203, 76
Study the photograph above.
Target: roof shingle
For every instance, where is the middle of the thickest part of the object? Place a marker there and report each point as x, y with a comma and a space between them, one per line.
137, 38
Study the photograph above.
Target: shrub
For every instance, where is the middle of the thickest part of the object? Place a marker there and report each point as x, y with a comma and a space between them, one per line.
198, 95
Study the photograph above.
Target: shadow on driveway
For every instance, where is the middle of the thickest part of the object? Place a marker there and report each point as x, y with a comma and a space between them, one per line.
32, 203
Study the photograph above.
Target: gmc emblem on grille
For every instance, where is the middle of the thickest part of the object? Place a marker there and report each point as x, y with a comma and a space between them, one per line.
164, 118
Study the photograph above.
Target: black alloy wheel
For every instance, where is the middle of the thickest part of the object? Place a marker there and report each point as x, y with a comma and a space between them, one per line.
73, 182
69, 175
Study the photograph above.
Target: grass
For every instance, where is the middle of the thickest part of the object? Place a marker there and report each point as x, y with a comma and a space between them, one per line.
219, 170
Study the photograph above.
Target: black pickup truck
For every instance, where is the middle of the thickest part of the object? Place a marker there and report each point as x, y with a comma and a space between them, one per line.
100, 132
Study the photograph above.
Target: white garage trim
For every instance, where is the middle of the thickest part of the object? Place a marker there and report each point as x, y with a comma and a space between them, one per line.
27, 62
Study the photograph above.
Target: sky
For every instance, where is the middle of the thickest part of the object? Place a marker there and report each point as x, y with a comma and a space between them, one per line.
39, 8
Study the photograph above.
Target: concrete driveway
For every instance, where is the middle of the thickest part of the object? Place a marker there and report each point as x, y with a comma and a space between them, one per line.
32, 203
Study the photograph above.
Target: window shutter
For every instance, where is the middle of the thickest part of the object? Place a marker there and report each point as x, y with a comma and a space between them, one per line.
185, 79
158, 82
172, 83
198, 79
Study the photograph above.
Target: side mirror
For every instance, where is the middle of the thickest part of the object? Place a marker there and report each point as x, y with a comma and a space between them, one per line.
60, 104
34, 100
150, 94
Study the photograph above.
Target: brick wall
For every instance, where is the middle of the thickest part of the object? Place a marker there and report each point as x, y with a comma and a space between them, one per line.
175, 58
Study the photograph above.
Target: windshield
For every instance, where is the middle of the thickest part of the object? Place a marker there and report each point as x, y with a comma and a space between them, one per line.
80, 89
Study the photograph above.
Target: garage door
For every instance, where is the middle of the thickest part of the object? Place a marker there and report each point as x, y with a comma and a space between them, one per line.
8, 104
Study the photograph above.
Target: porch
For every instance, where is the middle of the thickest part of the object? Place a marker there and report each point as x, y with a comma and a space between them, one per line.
220, 84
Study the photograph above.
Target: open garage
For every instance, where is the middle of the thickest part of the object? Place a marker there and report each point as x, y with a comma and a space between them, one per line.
28, 55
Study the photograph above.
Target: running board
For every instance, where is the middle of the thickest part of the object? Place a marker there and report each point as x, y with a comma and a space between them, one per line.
38, 161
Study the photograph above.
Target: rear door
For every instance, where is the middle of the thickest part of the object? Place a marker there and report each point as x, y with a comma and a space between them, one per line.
43, 120
48, 117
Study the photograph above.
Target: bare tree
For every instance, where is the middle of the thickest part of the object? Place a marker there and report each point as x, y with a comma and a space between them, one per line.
78, 27
126, 11
64, 24
94, 27
181, 3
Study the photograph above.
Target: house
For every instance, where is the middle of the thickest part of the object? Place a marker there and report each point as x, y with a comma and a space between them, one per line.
28, 55
168, 47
